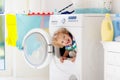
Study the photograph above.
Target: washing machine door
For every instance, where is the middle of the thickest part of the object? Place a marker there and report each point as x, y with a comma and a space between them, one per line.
37, 48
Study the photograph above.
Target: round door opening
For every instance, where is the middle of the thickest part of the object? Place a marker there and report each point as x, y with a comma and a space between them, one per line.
66, 45
35, 49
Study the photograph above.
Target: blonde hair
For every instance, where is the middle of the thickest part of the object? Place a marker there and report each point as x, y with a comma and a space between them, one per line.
56, 35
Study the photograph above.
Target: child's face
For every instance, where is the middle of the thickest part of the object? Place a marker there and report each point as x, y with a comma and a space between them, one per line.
64, 39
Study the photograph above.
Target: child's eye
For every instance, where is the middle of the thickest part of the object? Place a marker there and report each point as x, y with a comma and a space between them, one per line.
63, 37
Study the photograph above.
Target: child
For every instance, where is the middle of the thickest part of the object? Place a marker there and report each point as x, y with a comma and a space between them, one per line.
63, 38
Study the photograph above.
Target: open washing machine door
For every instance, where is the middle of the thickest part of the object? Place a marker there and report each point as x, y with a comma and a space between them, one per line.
37, 48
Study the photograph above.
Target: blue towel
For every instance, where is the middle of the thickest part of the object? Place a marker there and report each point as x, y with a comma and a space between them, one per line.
26, 23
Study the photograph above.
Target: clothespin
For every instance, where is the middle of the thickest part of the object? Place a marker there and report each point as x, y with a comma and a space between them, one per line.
41, 13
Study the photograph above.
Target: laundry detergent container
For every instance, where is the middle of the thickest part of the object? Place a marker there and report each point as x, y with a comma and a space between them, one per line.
92, 6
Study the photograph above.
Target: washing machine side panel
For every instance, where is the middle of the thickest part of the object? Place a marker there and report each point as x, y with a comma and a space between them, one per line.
78, 34
93, 57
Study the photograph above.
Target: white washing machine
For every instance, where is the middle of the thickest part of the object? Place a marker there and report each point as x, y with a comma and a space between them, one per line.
85, 29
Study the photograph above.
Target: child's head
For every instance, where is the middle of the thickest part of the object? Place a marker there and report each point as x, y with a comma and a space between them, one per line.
62, 38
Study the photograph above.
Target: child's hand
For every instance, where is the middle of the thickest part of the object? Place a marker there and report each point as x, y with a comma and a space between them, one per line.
73, 59
62, 59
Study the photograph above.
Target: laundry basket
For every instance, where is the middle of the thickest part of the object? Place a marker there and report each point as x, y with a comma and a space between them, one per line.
92, 6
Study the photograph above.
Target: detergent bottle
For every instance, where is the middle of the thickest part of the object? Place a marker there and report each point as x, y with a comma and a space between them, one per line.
116, 25
107, 29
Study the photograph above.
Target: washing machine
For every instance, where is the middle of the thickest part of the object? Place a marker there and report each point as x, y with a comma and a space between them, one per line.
39, 52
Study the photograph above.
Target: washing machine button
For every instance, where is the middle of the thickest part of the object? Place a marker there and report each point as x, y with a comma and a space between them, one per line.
63, 20
73, 77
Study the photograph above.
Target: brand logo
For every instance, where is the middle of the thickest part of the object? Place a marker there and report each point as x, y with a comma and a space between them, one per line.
63, 20
72, 19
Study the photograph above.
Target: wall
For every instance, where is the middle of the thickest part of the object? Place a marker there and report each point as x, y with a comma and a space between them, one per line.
116, 6
47, 5
24, 6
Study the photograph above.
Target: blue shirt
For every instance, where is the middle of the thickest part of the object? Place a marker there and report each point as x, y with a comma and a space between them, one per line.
71, 47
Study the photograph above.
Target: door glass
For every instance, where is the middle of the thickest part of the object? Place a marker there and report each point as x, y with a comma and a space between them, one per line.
35, 49
66, 44
2, 54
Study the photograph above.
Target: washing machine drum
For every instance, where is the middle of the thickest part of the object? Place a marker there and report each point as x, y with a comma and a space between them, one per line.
35, 47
